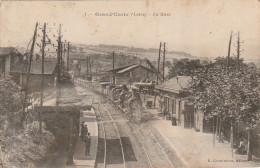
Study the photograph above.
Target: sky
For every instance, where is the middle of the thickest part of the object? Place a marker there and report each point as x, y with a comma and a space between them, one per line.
201, 28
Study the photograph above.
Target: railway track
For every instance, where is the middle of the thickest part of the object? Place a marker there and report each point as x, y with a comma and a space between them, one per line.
108, 123
114, 127
149, 145
152, 149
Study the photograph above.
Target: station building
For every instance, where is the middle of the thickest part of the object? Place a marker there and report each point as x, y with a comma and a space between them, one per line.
172, 104
132, 73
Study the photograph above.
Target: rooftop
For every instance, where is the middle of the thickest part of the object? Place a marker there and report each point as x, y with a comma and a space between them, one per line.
8, 50
127, 68
175, 84
36, 68
120, 68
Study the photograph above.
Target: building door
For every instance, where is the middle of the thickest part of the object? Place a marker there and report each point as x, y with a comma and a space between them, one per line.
165, 106
2, 65
189, 116
179, 112
173, 108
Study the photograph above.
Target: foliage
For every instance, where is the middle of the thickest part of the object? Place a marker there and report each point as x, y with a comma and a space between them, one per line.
24, 148
19, 146
184, 67
10, 98
230, 95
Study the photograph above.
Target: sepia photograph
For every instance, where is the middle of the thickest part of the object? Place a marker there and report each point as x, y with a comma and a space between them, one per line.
129, 84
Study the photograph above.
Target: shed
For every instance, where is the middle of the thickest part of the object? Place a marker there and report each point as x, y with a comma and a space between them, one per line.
9, 57
132, 73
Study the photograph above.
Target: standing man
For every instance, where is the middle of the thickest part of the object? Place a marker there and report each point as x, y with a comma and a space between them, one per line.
84, 131
88, 143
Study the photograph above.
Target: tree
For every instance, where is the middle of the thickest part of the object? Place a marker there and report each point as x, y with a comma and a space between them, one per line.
184, 67
10, 103
231, 95
17, 144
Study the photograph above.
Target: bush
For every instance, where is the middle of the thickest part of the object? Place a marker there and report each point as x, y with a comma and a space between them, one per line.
19, 146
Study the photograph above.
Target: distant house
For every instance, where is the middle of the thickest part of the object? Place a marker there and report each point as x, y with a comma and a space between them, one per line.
132, 73
19, 74
9, 58
172, 104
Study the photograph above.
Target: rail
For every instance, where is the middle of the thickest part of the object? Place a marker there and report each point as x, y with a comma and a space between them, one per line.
162, 149
139, 138
120, 140
150, 162
105, 142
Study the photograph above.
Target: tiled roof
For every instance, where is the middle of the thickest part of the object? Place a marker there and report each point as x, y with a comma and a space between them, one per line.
120, 68
8, 50
175, 84
127, 69
36, 68
131, 67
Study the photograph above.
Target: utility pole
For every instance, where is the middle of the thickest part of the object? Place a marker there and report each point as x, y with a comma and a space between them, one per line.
64, 58
158, 73
87, 67
163, 59
42, 82
89, 63
238, 50
61, 48
140, 70
229, 46
147, 73
227, 70
159, 58
96, 74
58, 89
113, 67
68, 58
28, 73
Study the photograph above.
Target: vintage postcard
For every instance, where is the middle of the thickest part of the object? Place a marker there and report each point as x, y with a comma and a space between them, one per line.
130, 84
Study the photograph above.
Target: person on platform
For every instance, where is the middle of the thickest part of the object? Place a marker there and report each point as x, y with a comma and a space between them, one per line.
84, 130
241, 148
88, 143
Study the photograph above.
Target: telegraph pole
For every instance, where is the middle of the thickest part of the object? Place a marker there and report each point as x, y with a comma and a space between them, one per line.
96, 74
42, 82
61, 48
68, 58
43, 55
158, 73
159, 58
87, 66
28, 73
113, 67
89, 63
231, 127
58, 89
228, 57
64, 58
238, 50
163, 59
140, 64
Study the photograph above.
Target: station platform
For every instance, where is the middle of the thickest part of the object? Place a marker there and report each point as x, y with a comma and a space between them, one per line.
195, 149
79, 158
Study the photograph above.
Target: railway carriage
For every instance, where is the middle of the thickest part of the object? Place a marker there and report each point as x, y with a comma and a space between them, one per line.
126, 99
